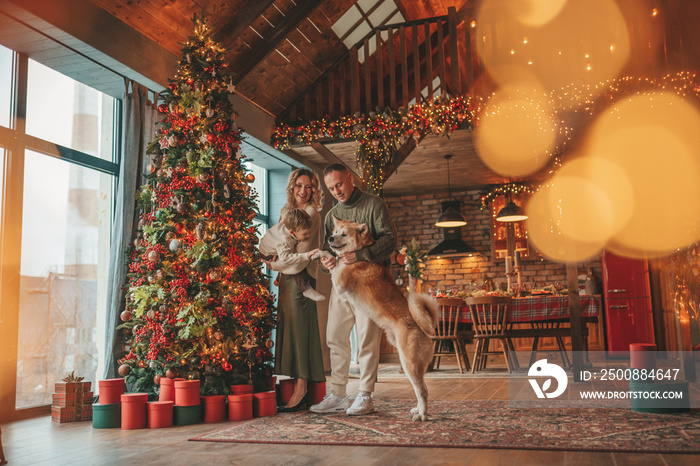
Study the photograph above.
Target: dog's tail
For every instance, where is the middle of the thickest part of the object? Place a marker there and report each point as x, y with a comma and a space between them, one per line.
424, 310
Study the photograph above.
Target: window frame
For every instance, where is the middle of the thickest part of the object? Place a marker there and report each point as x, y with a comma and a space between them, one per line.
16, 142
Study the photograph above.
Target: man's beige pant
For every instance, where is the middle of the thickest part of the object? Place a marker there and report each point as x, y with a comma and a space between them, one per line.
341, 318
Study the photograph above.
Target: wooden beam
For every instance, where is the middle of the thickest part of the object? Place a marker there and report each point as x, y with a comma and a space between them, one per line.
244, 17
401, 155
575, 321
456, 87
331, 158
268, 45
292, 154
380, 71
404, 66
416, 63
354, 65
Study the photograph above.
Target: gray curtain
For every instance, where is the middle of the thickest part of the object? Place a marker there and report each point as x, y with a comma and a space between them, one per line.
140, 116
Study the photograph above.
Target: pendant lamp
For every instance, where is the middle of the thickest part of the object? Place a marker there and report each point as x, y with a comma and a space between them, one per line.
450, 218
511, 212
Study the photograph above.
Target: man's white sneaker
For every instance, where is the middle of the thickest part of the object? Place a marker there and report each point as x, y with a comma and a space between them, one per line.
331, 404
361, 405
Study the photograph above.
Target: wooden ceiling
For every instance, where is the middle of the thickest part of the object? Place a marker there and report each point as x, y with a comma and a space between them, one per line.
276, 50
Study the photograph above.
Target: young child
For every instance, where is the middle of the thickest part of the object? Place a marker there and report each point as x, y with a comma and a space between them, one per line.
281, 240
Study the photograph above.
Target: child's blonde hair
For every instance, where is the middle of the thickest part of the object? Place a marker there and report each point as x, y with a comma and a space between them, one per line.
296, 219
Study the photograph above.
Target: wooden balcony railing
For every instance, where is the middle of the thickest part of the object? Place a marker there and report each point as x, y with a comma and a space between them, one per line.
394, 65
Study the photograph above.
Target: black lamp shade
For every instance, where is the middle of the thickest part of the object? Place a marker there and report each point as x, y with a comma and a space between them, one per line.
450, 218
512, 212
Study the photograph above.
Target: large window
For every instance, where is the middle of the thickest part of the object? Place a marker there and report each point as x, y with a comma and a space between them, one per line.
56, 226
5, 85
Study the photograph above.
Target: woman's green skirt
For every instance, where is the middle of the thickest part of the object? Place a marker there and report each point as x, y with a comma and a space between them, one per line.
298, 339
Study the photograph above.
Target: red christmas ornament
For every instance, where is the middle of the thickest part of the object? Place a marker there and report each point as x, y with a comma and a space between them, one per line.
171, 373
124, 370
249, 178
211, 138
156, 379
401, 259
126, 316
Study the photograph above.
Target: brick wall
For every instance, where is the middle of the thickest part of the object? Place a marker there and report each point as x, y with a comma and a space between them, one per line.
415, 216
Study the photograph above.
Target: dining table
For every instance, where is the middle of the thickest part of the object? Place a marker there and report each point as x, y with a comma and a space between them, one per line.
543, 308
548, 316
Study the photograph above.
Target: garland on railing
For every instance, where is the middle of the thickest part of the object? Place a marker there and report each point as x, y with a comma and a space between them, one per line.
381, 133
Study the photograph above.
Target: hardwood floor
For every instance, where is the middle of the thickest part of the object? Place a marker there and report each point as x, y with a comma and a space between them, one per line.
40, 441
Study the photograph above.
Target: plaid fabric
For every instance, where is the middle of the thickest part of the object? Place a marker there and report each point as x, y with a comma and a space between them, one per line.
62, 414
543, 307
70, 399
71, 387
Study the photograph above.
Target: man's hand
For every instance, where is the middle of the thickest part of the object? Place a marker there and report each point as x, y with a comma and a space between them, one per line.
328, 262
348, 257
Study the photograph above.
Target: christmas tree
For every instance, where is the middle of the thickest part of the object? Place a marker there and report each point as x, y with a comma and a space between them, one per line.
197, 302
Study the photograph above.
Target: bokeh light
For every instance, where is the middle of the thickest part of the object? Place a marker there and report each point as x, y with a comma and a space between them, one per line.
545, 216
517, 132
653, 138
560, 42
605, 201
535, 12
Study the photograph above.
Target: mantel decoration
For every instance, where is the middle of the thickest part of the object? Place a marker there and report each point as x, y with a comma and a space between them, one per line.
381, 133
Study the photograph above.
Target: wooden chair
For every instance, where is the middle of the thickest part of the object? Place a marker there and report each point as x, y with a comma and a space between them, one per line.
546, 325
447, 330
489, 316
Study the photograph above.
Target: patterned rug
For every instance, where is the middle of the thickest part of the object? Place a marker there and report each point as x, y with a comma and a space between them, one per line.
477, 424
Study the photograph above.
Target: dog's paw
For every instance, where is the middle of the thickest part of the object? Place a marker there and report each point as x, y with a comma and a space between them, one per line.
418, 416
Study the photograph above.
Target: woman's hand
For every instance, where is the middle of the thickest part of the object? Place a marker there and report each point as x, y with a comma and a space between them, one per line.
268, 263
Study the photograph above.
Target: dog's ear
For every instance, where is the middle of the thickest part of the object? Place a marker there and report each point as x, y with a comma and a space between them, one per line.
335, 221
363, 231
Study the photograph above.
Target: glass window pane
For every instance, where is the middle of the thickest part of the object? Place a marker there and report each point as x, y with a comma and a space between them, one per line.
5, 85
66, 112
380, 14
259, 186
65, 255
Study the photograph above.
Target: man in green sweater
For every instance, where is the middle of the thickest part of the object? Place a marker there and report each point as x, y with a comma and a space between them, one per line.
356, 206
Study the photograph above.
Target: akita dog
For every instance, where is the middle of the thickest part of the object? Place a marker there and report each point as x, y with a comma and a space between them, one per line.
370, 288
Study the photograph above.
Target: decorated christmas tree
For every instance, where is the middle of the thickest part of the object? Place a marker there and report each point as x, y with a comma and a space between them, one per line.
197, 302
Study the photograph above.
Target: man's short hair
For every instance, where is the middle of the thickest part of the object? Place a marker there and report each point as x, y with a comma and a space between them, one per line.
335, 167
296, 219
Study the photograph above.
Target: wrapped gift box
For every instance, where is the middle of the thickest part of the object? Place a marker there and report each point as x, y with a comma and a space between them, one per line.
72, 387
72, 402
63, 414
69, 399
